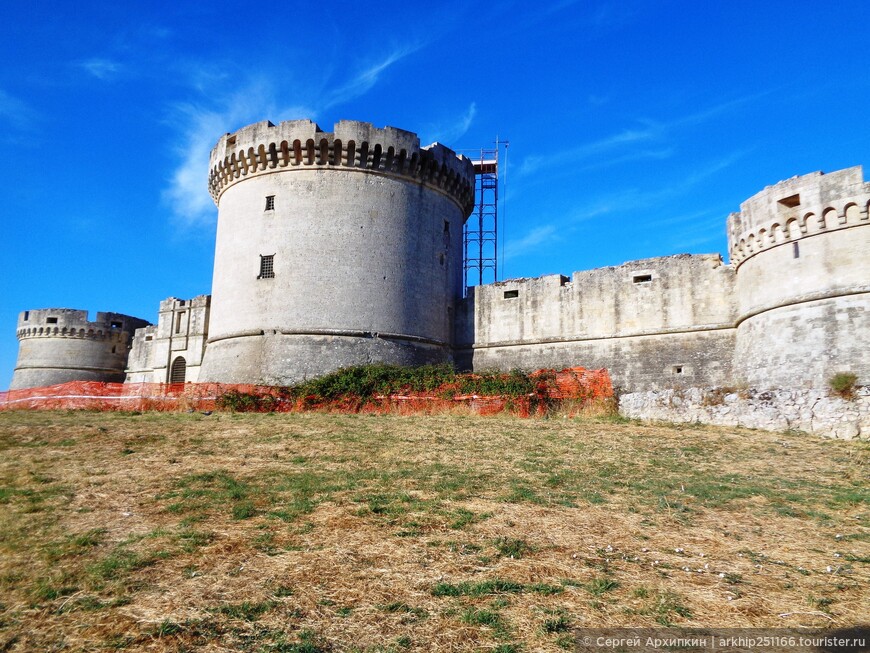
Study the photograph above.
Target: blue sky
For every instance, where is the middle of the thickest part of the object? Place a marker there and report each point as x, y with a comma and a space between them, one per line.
635, 127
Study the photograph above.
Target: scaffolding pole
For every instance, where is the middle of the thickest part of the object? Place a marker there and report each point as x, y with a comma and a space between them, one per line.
480, 235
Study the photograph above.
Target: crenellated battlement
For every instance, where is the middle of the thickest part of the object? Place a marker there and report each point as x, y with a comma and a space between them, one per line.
74, 323
797, 208
263, 147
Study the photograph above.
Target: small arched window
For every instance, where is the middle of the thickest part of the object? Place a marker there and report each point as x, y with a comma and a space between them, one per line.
178, 371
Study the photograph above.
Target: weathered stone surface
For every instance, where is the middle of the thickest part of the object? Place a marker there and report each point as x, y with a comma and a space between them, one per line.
177, 342
813, 411
653, 323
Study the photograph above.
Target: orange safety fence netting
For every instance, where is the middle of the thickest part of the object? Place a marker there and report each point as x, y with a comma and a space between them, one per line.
551, 387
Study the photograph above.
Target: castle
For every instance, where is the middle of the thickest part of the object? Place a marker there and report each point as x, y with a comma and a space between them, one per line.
345, 248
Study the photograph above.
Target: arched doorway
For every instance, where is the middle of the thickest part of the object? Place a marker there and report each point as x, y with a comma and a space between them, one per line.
178, 371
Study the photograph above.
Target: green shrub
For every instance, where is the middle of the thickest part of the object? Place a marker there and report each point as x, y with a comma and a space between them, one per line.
843, 384
245, 402
363, 382
238, 402
512, 384
366, 381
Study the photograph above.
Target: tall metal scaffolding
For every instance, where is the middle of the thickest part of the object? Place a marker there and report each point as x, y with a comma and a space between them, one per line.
480, 235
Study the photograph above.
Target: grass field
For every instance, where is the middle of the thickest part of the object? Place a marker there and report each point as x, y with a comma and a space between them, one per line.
314, 532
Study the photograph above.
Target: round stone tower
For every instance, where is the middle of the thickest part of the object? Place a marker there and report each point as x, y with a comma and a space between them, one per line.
333, 249
56, 345
802, 253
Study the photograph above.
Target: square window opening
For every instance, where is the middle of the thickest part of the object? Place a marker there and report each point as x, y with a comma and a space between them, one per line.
642, 278
678, 369
511, 294
51, 320
791, 201
149, 338
116, 325
270, 202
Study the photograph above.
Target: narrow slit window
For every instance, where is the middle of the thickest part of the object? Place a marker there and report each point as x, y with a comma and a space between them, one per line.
270, 202
178, 319
26, 315
796, 250
642, 278
511, 294
267, 267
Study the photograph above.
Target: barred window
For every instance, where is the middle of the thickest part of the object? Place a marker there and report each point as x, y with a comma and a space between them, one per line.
267, 267
270, 202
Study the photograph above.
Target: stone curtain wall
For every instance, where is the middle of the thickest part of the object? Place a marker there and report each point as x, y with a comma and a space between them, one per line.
812, 411
653, 323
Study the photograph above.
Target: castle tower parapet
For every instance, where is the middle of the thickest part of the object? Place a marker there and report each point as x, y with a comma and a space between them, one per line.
797, 208
61, 344
264, 148
800, 248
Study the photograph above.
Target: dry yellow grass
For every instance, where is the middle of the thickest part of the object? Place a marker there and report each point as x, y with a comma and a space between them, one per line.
306, 533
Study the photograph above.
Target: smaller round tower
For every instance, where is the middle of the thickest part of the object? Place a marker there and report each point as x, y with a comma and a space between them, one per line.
801, 249
57, 345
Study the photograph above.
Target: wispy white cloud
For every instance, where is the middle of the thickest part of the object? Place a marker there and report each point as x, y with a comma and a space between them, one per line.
613, 14
201, 126
706, 216
683, 232
628, 157
102, 69
531, 240
552, 8
559, 158
449, 134
200, 122
722, 108
622, 147
363, 81
14, 112
633, 199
